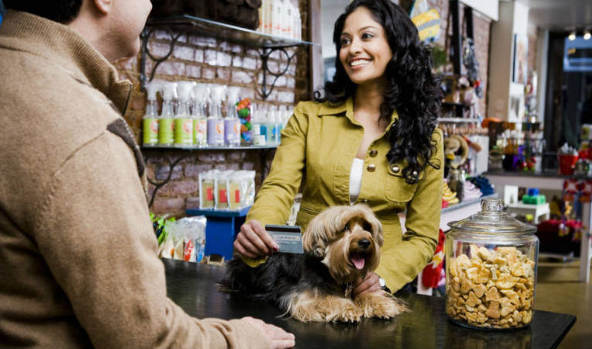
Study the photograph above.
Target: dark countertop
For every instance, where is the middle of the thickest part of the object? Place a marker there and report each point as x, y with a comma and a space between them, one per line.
193, 287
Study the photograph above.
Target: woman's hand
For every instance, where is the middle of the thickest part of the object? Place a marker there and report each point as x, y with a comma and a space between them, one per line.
253, 241
369, 284
277, 337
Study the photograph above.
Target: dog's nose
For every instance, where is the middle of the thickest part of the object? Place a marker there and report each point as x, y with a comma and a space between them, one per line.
364, 243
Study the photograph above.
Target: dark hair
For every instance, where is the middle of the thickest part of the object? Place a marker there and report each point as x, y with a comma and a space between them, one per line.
61, 11
412, 89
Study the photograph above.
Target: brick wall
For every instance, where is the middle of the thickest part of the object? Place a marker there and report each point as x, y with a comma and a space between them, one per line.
208, 60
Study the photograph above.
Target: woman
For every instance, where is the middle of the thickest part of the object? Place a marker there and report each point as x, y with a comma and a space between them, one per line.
373, 141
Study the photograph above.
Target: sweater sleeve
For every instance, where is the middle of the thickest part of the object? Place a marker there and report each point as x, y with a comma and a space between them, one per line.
95, 234
404, 262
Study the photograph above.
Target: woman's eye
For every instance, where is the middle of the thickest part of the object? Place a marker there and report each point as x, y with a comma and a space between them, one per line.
344, 41
367, 36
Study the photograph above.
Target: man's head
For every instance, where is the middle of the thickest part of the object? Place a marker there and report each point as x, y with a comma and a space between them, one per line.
113, 27
61, 11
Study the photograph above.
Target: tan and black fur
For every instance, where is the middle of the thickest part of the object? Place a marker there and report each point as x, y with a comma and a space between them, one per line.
317, 285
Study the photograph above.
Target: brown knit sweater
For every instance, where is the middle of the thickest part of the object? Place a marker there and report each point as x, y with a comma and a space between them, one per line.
78, 265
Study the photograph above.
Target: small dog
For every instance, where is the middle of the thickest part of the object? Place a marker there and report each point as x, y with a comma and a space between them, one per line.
341, 245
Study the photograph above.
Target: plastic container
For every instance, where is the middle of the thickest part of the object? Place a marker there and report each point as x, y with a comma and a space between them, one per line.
491, 267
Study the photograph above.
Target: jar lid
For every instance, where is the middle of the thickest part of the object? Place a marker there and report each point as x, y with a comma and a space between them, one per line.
493, 219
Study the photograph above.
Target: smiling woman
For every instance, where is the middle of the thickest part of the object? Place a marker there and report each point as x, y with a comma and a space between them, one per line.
364, 52
372, 141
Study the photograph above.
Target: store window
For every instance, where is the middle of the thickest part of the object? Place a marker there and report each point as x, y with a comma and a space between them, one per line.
569, 91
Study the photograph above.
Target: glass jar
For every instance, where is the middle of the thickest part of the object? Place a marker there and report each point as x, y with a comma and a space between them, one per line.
491, 267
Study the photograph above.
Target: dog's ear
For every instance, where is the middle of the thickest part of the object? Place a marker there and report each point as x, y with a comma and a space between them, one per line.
316, 235
377, 232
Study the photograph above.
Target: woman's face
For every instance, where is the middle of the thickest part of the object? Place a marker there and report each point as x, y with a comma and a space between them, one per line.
365, 51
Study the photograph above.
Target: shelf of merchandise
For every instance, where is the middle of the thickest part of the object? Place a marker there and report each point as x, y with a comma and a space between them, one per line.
459, 120
184, 152
178, 25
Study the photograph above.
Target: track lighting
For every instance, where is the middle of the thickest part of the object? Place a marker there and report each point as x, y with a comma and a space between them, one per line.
587, 34
572, 35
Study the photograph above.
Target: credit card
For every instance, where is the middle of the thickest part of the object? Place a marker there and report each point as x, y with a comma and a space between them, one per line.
288, 237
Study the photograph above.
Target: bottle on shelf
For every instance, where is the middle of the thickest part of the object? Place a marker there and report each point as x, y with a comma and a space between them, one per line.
267, 16
287, 21
269, 127
199, 113
215, 121
166, 125
183, 119
150, 119
232, 124
279, 123
297, 26
259, 129
277, 17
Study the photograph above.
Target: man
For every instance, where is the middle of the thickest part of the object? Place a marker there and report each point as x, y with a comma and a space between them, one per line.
78, 265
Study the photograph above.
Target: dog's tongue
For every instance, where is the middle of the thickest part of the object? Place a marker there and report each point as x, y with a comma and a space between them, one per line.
358, 262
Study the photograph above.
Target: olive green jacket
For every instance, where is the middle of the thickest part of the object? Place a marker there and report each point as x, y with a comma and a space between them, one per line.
317, 149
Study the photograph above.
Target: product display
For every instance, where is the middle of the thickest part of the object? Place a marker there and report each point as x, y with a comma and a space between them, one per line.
166, 126
226, 190
448, 195
215, 121
150, 119
491, 269
183, 119
244, 109
280, 18
199, 113
185, 239
206, 189
470, 191
232, 124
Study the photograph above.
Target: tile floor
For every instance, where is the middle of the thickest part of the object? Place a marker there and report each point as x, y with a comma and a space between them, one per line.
558, 290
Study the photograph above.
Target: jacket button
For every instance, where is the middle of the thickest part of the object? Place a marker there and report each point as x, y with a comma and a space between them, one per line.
371, 168
395, 168
373, 152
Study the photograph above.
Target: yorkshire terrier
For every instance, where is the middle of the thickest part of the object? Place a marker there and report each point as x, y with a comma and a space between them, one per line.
341, 245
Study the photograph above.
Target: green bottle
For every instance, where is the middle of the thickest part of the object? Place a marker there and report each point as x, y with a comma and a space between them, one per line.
166, 125
183, 119
150, 119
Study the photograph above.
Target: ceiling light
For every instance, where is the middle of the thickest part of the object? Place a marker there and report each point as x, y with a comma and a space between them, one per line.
587, 34
572, 33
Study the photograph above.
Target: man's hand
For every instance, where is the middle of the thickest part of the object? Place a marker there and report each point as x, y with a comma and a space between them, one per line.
277, 337
369, 284
254, 241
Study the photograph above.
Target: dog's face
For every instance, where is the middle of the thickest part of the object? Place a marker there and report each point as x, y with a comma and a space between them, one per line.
348, 238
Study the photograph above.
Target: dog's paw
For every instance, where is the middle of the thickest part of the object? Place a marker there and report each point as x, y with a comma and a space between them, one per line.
380, 306
346, 312
309, 308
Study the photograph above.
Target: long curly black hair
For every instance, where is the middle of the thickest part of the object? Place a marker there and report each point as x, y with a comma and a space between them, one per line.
413, 91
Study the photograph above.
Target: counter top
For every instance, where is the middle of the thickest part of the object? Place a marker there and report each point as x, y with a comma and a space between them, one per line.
193, 287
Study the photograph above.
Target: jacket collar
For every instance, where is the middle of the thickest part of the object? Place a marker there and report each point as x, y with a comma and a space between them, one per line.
58, 43
347, 108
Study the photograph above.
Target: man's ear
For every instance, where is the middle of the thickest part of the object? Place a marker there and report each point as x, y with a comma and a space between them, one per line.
104, 6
